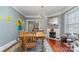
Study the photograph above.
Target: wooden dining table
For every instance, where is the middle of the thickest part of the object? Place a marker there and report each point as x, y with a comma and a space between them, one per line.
39, 35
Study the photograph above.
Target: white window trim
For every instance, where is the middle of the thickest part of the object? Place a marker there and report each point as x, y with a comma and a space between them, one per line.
74, 9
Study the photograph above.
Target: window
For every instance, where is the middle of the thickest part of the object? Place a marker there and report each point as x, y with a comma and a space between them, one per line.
72, 21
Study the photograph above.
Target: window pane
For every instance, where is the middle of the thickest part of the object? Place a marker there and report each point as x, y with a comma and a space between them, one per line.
77, 19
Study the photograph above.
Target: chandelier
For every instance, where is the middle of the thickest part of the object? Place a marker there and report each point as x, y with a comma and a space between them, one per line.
43, 12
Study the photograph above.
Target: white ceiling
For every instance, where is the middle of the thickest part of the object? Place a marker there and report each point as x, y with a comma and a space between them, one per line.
36, 10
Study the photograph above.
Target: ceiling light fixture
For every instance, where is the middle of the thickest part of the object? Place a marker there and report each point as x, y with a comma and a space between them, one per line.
42, 13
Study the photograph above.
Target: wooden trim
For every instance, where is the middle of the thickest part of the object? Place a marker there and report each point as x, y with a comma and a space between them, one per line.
10, 47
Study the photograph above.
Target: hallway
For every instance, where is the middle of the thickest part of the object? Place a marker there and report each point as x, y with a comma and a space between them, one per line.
39, 28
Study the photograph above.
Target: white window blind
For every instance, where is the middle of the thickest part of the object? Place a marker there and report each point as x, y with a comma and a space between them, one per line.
72, 21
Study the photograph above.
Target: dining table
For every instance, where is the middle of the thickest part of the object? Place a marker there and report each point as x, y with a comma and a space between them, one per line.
39, 35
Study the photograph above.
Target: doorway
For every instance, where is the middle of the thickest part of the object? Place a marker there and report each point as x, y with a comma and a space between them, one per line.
33, 26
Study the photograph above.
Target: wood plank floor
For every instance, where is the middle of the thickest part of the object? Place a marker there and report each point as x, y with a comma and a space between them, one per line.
58, 46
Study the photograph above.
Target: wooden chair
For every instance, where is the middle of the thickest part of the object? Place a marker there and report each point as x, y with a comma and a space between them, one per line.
30, 40
21, 40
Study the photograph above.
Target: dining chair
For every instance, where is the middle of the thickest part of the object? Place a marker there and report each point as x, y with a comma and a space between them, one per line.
30, 40
21, 40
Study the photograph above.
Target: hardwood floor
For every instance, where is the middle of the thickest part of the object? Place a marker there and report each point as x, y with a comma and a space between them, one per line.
58, 46
54, 45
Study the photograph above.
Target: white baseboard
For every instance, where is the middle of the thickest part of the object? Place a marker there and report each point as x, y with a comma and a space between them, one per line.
7, 45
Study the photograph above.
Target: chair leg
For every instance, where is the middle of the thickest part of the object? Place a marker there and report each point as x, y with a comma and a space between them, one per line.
25, 48
20, 45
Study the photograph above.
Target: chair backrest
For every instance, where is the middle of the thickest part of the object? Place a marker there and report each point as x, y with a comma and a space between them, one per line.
30, 39
22, 32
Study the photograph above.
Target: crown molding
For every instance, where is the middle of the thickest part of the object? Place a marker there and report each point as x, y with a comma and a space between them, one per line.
66, 10
23, 14
55, 14
17, 10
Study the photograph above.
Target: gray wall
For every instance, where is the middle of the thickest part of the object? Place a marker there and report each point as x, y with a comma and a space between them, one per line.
8, 29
